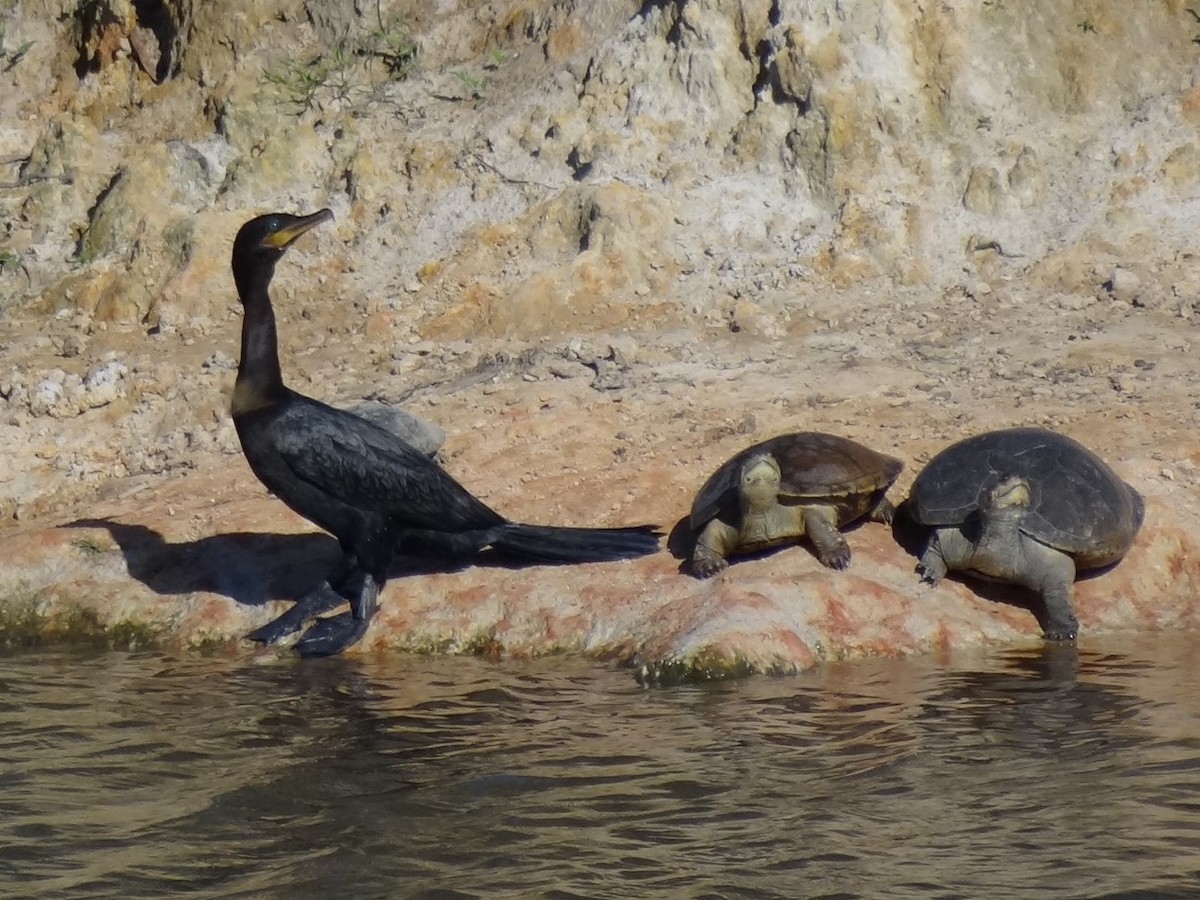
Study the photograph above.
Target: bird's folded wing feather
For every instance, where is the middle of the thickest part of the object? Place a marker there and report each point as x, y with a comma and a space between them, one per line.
369, 468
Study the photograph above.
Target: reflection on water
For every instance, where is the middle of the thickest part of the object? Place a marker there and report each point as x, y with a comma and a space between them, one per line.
1011, 775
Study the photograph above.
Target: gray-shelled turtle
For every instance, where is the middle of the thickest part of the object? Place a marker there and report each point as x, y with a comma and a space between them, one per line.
1026, 506
788, 487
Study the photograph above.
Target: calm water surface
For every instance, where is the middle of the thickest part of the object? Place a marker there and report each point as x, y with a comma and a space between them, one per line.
1003, 775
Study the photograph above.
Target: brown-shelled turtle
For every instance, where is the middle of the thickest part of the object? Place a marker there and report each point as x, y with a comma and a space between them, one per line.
1026, 506
778, 491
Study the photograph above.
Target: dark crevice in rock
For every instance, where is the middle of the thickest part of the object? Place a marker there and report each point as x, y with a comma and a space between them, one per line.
95, 19
768, 78
580, 168
156, 39
650, 6
765, 52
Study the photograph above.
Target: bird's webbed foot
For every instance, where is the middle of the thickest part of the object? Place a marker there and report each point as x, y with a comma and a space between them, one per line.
328, 637
322, 599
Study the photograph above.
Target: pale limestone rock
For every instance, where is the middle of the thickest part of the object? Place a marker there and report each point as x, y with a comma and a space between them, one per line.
982, 193
1027, 179
1182, 165
801, 170
1124, 286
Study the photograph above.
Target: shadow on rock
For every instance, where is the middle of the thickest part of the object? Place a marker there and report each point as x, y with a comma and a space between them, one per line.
681, 541
908, 533
255, 568
249, 568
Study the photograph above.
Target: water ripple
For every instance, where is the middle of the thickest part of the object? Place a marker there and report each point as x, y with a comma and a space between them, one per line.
1053, 774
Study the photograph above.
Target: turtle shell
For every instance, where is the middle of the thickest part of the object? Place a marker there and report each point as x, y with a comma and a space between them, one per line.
1077, 503
813, 467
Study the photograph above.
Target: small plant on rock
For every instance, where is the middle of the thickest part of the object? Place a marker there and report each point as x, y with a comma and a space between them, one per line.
348, 73
10, 58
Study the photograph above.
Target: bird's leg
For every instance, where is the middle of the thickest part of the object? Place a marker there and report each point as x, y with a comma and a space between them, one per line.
322, 598
333, 635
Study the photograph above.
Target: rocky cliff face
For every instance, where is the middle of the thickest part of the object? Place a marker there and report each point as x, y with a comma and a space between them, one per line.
604, 245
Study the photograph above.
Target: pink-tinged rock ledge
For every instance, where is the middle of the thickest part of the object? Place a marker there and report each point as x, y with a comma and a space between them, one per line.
209, 559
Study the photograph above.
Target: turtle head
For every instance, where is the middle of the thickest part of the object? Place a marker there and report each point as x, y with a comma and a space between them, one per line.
759, 484
1011, 491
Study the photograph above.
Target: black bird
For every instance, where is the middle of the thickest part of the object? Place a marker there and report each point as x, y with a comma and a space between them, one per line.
362, 484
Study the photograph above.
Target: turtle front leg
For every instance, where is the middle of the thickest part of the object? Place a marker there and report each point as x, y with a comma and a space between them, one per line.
884, 511
1057, 577
820, 524
714, 543
933, 567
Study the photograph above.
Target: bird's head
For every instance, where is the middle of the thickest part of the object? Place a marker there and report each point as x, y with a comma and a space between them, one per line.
262, 241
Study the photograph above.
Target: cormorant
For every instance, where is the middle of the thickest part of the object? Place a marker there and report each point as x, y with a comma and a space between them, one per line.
364, 485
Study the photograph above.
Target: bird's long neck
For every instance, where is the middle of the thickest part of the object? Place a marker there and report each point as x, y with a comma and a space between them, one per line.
259, 379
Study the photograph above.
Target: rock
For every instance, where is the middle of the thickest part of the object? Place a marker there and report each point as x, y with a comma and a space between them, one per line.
777, 614
423, 435
983, 190
1124, 286
1182, 165
1027, 179
690, 224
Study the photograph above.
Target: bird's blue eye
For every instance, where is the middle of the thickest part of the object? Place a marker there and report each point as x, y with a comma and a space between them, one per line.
272, 224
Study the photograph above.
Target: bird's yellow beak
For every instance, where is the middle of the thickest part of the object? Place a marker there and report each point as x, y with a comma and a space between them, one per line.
284, 237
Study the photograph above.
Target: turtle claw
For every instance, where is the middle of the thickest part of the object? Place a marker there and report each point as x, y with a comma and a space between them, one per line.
708, 566
328, 637
884, 512
838, 558
1061, 635
1063, 630
932, 568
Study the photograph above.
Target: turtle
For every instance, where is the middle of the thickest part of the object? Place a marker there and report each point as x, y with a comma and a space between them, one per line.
1027, 506
805, 483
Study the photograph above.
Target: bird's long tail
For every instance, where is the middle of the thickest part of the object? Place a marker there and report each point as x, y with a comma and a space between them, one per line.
553, 544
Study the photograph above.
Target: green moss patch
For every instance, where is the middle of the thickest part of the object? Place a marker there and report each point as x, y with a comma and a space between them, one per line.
26, 622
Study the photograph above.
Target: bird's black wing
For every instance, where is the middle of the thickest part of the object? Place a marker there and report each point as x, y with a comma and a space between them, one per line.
366, 467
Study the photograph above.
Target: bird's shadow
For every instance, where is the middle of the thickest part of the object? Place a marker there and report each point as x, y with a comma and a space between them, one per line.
254, 568
249, 568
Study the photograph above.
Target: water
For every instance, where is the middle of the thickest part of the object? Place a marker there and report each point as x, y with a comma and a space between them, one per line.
1008, 775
